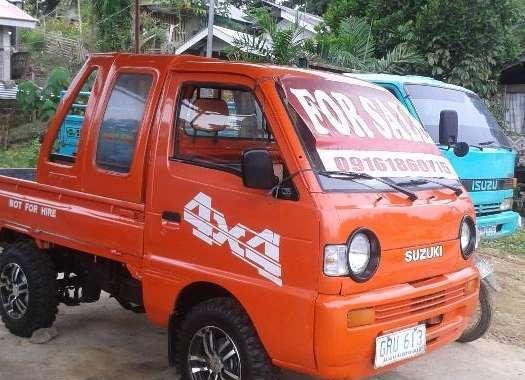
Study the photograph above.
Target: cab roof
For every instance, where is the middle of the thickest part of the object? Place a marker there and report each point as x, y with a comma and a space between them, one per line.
254, 70
401, 80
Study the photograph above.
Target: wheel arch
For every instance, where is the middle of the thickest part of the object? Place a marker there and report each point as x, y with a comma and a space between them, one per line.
10, 235
188, 297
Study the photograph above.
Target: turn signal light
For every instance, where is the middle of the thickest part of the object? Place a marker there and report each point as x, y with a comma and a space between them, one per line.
471, 286
361, 317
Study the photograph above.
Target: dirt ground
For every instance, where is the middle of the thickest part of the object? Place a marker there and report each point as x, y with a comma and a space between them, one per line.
509, 320
102, 341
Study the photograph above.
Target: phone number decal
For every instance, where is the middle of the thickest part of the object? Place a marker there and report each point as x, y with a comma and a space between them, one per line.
387, 164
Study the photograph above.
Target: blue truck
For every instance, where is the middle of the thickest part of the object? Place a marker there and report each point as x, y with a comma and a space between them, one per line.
487, 170
69, 132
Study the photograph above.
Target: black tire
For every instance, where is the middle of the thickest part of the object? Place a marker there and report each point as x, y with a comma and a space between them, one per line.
227, 315
479, 327
41, 278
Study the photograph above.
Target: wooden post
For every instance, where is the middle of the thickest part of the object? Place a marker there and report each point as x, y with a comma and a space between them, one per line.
137, 26
211, 17
79, 21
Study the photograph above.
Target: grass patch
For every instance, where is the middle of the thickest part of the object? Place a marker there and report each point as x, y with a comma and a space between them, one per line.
20, 156
510, 244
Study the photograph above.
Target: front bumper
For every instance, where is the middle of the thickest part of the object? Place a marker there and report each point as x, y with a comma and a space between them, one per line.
506, 222
343, 352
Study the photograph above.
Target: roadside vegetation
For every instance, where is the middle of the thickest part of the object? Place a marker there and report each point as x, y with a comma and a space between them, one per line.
20, 156
514, 244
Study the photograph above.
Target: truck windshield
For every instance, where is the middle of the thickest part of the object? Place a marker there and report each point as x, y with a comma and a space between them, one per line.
347, 125
477, 125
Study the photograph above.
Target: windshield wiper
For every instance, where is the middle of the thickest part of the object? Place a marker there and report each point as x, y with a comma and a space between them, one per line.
448, 147
421, 181
354, 175
492, 142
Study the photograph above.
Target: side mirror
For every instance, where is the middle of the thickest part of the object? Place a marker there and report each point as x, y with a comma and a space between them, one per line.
257, 169
448, 127
461, 149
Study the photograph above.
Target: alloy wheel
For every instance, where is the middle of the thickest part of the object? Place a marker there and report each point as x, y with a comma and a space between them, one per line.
14, 291
213, 355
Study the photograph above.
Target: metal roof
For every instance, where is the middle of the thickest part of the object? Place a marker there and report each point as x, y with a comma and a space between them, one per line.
7, 93
234, 13
306, 20
405, 79
11, 15
224, 34
514, 73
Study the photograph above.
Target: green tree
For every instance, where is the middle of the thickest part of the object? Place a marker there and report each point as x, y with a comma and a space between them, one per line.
195, 7
464, 42
29, 98
57, 81
317, 7
112, 22
467, 41
391, 20
282, 46
42, 103
352, 46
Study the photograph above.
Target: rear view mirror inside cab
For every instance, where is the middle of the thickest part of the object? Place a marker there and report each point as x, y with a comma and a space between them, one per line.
257, 169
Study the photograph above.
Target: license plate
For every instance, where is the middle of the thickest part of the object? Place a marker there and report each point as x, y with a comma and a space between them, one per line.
488, 231
400, 345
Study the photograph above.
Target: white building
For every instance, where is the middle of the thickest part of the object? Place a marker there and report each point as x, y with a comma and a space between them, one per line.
188, 34
11, 18
288, 16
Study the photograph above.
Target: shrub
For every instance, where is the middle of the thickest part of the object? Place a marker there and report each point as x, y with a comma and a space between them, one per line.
43, 103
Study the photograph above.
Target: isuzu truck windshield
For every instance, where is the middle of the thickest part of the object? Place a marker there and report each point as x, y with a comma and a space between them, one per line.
477, 125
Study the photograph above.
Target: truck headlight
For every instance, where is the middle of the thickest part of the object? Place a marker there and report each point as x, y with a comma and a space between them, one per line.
467, 237
363, 255
506, 204
359, 253
359, 258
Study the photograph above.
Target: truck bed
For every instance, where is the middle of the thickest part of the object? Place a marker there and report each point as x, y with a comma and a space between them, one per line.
27, 174
71, 218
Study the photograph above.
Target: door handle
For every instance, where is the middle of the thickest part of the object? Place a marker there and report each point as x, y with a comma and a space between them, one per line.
171, 216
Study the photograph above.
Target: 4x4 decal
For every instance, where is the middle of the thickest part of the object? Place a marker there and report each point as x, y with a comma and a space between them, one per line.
259, 249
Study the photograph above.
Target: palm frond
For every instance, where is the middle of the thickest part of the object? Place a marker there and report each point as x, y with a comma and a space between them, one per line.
250, 48
397, 61
263, 19
354, 35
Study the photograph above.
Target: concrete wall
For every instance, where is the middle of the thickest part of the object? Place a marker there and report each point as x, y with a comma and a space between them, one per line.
5, 54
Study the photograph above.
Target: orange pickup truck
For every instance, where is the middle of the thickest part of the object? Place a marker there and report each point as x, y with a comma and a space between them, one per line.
267, 216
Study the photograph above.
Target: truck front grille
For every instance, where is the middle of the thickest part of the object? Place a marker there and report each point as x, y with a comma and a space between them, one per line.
420, 304
487, 209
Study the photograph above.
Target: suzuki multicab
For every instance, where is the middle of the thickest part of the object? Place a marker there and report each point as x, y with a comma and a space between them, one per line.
267, 216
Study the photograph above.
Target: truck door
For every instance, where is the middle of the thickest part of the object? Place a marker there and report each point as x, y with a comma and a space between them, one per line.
62, 152
203, 224
119, 136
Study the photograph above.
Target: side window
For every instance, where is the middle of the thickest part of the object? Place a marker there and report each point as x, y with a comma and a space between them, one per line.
65, 146
215, 125
122, 121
